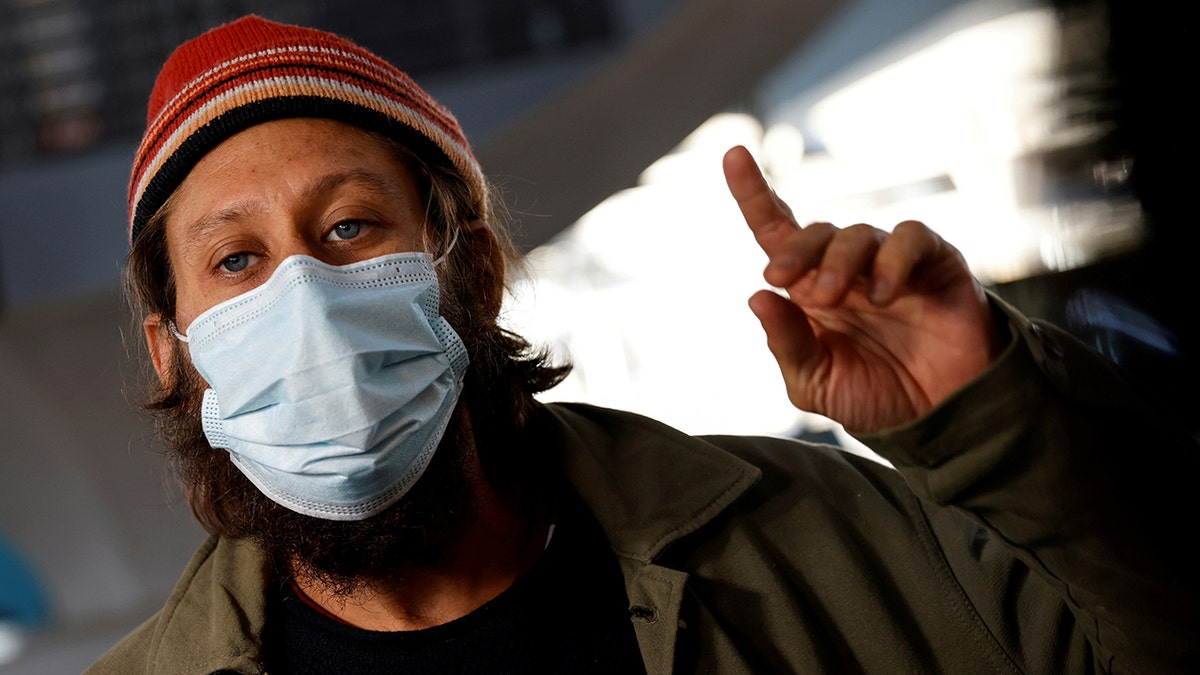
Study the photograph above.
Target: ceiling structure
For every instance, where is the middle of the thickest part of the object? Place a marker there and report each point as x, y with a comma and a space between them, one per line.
565, 101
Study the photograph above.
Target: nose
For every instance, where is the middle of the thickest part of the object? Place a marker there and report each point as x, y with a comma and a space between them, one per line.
298, 240
299, 245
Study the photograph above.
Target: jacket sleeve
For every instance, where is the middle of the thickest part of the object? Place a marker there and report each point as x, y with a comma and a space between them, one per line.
1064, 466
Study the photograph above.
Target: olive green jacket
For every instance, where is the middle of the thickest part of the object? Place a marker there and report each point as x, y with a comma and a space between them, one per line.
1036, 525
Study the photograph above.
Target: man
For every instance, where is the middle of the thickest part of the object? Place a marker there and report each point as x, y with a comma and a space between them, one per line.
321, 272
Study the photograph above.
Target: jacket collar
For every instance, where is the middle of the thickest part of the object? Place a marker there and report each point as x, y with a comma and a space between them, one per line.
647, 484
215, 619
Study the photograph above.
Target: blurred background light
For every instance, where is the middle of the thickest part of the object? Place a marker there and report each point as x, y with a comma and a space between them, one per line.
647, 292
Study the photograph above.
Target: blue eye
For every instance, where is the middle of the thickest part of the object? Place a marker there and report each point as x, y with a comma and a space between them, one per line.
347, 229
238, 262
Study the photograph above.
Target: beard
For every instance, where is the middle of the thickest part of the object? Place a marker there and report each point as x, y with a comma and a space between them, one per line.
418, 531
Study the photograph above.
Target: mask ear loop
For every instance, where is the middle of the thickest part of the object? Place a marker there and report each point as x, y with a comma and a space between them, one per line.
449, 248
175, 331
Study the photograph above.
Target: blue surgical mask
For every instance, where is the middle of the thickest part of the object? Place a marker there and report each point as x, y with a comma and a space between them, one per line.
331, 387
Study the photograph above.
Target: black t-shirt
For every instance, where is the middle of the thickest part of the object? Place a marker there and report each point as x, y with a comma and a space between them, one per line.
569, 614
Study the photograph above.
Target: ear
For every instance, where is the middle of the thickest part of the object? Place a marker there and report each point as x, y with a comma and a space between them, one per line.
161, 345
492, 265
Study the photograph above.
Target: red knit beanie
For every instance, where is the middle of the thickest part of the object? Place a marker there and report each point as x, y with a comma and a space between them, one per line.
253, 70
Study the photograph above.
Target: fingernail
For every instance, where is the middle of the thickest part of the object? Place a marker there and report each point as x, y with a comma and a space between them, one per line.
880, 290
827, 281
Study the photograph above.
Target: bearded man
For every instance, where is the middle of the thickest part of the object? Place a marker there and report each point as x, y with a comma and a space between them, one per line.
320, 268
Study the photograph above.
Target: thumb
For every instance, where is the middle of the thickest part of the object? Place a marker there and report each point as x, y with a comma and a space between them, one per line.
790, 339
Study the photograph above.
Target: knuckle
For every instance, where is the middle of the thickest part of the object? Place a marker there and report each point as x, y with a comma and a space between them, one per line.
856, 240
783, 205
775, 229
911, 228
863, 231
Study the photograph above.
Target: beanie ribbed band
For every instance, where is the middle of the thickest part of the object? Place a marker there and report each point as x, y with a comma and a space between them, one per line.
254, 70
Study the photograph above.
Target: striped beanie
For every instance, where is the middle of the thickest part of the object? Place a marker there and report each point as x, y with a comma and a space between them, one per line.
253, 70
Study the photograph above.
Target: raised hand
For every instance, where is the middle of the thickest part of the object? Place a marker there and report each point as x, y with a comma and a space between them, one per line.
876, 328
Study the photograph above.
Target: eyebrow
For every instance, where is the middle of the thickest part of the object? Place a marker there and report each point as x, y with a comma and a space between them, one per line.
201, 230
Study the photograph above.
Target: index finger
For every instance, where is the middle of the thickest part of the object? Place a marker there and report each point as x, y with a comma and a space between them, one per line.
768, 216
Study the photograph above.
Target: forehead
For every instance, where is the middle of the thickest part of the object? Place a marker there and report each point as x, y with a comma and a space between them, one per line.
269, 149
278, 162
